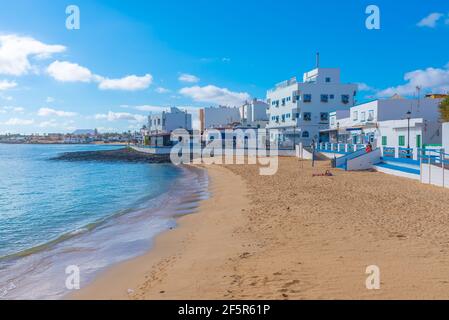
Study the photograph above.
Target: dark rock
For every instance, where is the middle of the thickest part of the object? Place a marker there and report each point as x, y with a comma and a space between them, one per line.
119, 155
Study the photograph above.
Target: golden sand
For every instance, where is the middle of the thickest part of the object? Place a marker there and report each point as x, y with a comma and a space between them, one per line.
295, 236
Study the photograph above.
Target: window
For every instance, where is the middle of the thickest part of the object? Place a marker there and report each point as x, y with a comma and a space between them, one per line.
384, 140
333, 121
307, 116
363, 116
355, 116
328, 79
371, 115
289, 98
418, 141
283, 102
283, 118
324, 117
305, 134
345, 98
332, 97
401, 141
324, 98
307, 98
158, 121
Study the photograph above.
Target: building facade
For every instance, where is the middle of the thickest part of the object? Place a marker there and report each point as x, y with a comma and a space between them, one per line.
166, 122
380, 120
254, 114
300, 110
219, 117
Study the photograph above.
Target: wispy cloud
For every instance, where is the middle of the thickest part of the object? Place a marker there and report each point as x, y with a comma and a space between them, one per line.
19, 122
45, 112
128, 83
215, 95
188, 78
116, 116
431, 20
6, 85
162, 90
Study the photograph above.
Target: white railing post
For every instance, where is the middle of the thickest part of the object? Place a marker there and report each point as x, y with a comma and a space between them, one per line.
442, 164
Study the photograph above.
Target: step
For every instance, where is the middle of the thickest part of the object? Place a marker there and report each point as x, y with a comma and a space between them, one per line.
398, 171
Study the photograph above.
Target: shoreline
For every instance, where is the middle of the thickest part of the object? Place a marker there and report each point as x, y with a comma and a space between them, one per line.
93, 247
133, 279
295, 236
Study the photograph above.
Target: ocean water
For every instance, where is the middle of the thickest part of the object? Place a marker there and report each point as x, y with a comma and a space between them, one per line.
56, 214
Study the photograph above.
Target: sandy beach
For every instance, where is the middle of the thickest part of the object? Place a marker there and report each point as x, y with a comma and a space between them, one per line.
295, 236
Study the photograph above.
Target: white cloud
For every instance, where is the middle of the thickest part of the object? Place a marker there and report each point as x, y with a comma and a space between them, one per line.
431, 20
5, 85
69, 72
364, 87
213, 94
45, 112
10, 109
128, 83
117, 116
50, 100
162, 90
18, 122
151, 108
65, 71
189, 78
48, 124
430, 79
15, 53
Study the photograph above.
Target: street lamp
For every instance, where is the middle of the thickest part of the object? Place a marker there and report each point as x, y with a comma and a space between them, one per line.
338, 131
408, 133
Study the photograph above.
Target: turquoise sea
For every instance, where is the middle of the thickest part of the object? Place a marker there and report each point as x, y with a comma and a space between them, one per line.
55, 214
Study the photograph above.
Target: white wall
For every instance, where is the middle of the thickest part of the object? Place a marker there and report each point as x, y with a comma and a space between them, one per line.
220, 117
446, 137
435, 175
169, 121
364, 162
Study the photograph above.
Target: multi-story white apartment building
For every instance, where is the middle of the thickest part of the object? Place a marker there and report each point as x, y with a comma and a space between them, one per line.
299, 110
219, 117
166, 122
254, 114
382, 122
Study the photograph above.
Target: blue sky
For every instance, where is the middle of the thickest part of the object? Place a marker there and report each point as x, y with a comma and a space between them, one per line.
130, 58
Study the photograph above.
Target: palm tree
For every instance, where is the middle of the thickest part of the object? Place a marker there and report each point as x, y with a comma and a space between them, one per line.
444, 109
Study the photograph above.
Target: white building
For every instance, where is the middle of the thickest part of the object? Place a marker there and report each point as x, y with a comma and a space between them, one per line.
398, 133
299, 110
446, 137
364, 122
219, 117
254, 114
166, 122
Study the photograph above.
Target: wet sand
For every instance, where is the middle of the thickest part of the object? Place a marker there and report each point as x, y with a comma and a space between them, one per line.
295, 236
